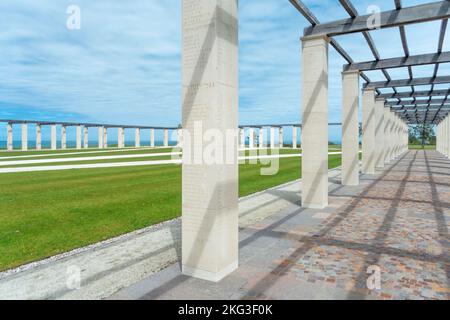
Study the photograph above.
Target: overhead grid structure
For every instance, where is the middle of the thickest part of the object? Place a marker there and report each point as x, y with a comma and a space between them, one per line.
386, 116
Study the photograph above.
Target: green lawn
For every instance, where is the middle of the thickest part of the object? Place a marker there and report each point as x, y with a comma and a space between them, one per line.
419, 147
46, 213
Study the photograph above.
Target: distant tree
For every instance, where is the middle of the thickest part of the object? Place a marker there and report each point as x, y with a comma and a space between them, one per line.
421, 135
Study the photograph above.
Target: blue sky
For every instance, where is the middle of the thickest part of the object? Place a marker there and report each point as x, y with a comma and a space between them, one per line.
123, 66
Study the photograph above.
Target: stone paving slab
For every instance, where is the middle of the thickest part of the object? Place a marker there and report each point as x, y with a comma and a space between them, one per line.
396, 223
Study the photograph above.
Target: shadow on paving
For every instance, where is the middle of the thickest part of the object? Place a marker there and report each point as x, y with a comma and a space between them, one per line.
364, 232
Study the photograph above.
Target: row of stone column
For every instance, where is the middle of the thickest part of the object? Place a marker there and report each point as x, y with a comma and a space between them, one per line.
443, 137
385, 134
252, 134
82, 143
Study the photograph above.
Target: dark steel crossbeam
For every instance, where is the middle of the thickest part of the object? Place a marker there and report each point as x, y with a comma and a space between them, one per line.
312, 19
398, 6
414, 94
432, 101
400, 62
394, 18
351, 10
407, 82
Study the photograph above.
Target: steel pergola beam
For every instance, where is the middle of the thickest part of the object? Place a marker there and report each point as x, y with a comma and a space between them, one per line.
394, 18
400, 62
407, 82
418, 103
414, 94
353, 13
312, 19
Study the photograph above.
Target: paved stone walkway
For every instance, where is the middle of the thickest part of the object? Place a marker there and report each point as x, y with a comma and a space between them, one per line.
396, 223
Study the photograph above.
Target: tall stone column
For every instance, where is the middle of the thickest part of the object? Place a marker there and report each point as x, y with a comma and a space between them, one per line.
120, 138
281, 137
251, 137
24, 137
78, 133
261, 138
152, 138
272, 138
180, 138
392, 135
315, 122
53, 137
368, 132
242, 138
294, 137
100, 137
9, 133
210, 101
86, 137
387, 135
350, 128
166, 138
447, 136
38, 137
380, 123
137, 138
105, 137
63, 137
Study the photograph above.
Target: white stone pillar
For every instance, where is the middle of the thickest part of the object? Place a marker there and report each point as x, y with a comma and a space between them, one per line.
24, 137
53, 137
166, 135
272, 138
105, 137
387, 136
380, 123
63, 137
210, 100
281, 137
368, 132
180, 138
152, 138
86, 137
120, 138
447, 136
251, 138
78, 137
38, 137
9, 132
261, 138
100, 137
350, 128
392, 136
137, 138
294, 137
315, 122
242, 138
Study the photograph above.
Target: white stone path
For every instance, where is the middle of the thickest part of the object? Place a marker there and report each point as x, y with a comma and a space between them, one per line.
76, 153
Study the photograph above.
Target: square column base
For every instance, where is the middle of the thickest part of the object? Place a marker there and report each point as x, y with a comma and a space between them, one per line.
210, 276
